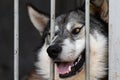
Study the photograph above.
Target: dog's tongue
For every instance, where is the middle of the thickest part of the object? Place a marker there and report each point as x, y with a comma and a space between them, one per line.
63, 68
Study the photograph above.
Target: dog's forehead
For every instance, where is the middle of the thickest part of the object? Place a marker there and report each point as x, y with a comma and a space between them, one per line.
66, 21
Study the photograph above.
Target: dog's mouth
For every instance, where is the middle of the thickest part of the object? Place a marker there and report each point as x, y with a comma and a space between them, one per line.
68, 69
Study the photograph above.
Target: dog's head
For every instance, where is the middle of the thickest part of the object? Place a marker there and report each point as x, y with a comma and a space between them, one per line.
68, 44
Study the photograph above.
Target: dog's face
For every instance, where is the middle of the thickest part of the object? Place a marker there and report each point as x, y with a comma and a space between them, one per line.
67, 48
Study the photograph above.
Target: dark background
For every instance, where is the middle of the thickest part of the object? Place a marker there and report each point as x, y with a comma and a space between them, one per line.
29, 36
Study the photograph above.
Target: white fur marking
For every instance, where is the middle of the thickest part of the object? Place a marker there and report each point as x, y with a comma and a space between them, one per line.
71, 51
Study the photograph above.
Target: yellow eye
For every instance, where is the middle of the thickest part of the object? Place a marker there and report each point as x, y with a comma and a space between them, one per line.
76, 31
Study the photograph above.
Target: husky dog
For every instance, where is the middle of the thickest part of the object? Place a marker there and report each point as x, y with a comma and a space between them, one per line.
67, 48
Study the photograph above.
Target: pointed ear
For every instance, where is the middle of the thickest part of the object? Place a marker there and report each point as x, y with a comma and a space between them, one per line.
38, 19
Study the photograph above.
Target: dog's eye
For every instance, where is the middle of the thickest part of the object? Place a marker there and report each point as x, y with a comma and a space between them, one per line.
76, 30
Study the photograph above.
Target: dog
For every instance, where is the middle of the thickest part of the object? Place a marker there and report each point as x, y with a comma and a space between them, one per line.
67, 48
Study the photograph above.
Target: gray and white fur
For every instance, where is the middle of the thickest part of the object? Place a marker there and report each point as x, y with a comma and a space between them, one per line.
70, 43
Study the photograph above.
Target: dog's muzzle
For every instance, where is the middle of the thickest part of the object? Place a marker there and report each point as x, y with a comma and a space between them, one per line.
66, 69
69, 69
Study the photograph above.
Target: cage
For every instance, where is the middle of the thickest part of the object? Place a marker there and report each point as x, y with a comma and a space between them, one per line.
19, 39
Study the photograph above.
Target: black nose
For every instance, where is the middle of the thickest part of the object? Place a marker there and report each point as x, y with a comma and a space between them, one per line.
54, 50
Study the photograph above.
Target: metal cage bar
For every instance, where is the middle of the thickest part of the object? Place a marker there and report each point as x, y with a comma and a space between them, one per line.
87, 28
114, 40
16, 39
52, 25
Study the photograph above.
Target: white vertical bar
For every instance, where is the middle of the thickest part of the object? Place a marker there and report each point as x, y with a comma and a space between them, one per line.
52, 66
114, 39
52, 17
16, 39
87, 22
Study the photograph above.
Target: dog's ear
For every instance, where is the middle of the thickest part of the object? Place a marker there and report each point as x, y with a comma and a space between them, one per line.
38, 19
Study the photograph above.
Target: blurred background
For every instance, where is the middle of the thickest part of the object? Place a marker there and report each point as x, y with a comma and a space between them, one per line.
29, 36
